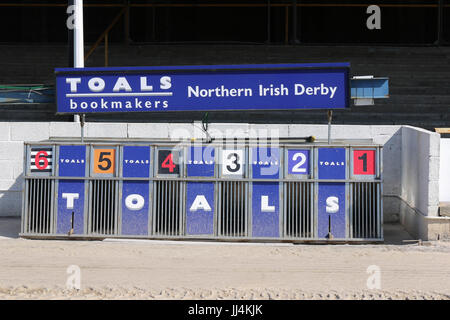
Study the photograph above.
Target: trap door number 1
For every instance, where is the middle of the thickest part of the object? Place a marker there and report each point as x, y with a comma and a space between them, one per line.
363, 162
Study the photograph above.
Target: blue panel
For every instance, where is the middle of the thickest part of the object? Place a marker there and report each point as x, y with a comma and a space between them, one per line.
331, 163
200, 162
200, 208
71, 193
266, 163
136, 161
331, 205
135, 204
266, 209
370, 88
72, 161
200, 88
70, 199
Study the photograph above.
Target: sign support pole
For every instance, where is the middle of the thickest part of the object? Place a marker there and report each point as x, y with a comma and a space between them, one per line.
330, 116
78, 41
82, 127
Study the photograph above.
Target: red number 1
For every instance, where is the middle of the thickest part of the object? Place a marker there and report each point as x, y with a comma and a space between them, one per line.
168, 163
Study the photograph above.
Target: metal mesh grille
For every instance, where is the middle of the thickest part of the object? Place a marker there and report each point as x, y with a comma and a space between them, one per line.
103, 213
168, 208
39, 206
233, 205
299, 214
364, 210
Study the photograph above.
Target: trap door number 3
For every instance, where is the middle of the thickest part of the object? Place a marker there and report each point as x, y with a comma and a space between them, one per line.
104, 160
232, 162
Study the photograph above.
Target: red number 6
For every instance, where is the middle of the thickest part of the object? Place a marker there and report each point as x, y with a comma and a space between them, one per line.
41, 155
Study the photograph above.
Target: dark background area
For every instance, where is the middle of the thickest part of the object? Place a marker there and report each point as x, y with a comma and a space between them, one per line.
411, 49
404, 22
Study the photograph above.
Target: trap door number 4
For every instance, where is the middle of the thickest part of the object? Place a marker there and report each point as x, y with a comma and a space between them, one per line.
169, 161
104, 161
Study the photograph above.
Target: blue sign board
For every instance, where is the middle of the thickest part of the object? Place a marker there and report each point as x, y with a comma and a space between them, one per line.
135, 194
331, 163
136, 161
71, 193
200, 162
331, 195
201, 88
266, 163
200, 208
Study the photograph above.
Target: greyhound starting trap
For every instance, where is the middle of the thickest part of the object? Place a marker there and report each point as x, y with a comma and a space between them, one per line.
244, 191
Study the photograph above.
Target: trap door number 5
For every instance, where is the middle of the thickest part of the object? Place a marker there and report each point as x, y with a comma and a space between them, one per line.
104, 161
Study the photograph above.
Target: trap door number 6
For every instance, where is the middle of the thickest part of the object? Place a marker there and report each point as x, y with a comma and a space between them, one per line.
104, 161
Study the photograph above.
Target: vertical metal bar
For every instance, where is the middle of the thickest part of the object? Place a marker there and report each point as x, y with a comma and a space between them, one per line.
268, 21
294, 21
235, 224
31, 209
286, 25
41, 188
440, 23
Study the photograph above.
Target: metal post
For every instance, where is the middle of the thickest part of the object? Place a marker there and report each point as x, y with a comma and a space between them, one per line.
440, 23
78, 41
126, 23
106, 49
78, 35
330, 116
294, 22
82, 127
268, 21
70, 40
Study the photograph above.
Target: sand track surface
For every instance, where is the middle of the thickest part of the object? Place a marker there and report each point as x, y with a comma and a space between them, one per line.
179, 270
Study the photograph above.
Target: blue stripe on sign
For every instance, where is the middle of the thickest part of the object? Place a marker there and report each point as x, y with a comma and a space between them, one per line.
200, 162
266, 163
265, 209
136, 161
70, 200
200, 208
135, 205
266, 195
71, 193
135, 194
331, 202
331, 198
331, 163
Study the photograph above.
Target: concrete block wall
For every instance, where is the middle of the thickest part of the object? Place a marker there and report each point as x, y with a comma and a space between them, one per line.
13, 134
419, 207
420, 169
